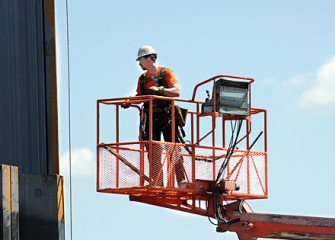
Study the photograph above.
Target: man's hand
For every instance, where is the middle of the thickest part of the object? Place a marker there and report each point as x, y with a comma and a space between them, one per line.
154, 89
125, 104
157, 90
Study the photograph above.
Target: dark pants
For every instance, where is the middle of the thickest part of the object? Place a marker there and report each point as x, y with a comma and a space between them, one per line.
162, 125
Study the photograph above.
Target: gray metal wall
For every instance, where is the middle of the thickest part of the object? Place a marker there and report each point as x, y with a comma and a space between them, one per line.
28, 93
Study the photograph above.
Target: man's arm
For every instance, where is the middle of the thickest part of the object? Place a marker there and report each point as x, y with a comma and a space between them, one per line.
173, 91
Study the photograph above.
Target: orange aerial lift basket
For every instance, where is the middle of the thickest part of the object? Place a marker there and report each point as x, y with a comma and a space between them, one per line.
215, 160
218, 153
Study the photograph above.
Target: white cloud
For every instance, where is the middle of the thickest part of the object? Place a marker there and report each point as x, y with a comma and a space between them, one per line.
322, 91
82, 162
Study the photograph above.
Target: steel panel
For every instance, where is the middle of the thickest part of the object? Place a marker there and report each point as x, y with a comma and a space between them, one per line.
28, 94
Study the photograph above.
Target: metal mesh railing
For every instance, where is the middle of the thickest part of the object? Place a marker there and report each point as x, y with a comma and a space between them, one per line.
123, 167
126, 167
129, 166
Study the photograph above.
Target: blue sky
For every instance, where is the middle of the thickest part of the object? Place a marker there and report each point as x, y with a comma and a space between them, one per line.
287, 46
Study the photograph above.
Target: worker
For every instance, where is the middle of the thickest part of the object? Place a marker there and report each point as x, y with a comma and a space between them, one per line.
157, 80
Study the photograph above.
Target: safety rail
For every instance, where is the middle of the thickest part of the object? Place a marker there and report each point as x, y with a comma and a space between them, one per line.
149, 171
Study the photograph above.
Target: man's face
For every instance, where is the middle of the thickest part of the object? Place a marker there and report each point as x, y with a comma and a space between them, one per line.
145, 62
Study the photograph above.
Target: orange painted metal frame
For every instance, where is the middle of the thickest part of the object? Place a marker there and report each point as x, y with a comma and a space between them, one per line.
195, 198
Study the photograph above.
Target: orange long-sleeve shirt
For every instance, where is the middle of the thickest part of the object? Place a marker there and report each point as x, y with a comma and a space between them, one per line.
169, 78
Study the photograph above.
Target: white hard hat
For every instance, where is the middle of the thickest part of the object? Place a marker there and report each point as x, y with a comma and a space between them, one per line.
144, 51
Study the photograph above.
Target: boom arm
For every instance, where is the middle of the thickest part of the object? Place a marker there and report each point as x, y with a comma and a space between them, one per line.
250, 226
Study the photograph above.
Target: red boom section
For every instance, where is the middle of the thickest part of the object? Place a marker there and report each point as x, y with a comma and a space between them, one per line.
251, 226
127, 165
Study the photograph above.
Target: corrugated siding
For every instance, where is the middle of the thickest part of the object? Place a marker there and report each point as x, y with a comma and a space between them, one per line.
28, 103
